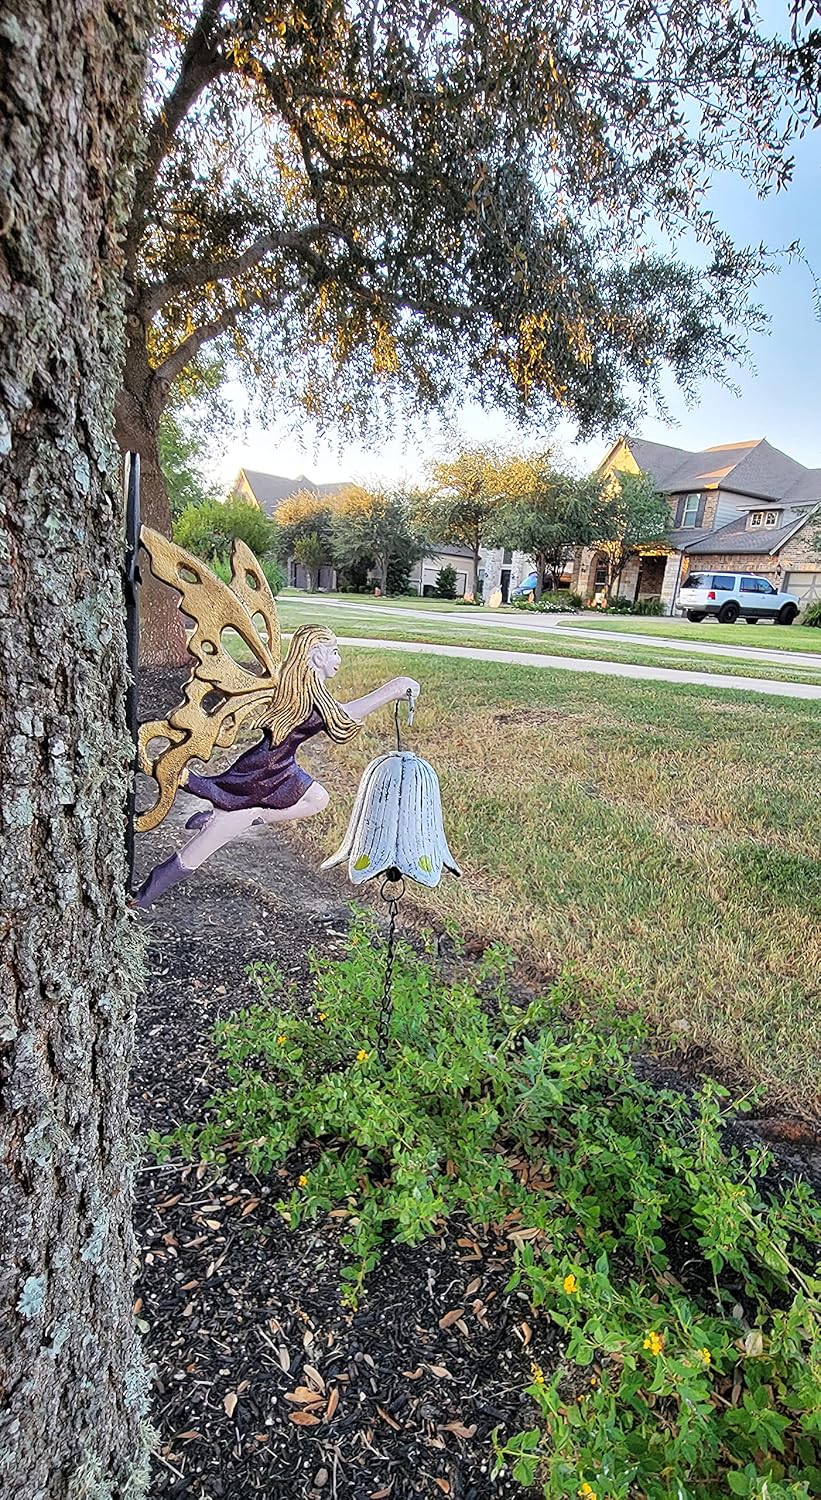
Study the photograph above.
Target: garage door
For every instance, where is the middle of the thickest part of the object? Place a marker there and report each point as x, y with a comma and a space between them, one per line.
805, 586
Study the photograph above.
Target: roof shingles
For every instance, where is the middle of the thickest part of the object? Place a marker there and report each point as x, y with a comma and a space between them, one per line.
753, 469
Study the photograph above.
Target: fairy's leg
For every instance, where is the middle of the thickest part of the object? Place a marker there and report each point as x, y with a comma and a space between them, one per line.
222, 827
315, 800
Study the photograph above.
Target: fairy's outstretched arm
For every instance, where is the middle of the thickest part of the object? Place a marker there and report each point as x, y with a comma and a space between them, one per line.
390, 692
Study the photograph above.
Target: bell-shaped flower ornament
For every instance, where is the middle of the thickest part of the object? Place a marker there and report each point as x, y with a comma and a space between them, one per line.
396, 826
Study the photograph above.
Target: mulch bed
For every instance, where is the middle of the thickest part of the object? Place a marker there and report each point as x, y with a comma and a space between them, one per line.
264, 1383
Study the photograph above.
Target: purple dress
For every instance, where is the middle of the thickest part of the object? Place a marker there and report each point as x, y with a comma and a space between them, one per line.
265, 776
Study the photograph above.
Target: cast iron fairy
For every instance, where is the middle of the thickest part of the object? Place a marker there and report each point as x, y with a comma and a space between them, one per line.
289, 702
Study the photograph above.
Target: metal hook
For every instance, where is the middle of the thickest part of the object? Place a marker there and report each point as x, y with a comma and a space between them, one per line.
409, 697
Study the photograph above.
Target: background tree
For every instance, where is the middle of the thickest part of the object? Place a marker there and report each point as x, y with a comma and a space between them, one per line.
304, 523
74, 1387
467, 490
180, 453
631, 511
446, 583
312, 552
545, 513
208, 529
378, 525
411, 202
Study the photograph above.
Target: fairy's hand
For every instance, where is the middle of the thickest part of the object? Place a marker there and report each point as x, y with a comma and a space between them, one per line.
402, 686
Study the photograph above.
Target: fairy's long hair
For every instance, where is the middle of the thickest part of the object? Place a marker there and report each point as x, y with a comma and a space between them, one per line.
300, 689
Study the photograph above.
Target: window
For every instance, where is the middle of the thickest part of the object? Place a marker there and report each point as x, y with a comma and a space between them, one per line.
724, 581
695, 581
772, 518
601, 573
757, 518
756, 586
507, 557
689, 514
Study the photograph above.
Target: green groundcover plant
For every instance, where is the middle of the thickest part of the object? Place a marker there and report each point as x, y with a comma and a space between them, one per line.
687, 1293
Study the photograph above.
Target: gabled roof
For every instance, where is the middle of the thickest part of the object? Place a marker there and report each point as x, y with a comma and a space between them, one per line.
739, 539
753, 468
271, 489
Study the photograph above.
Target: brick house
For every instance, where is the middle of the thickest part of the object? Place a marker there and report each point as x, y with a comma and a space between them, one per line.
737, 507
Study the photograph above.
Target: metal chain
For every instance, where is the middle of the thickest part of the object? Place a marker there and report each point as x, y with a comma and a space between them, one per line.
392, 897
393, 889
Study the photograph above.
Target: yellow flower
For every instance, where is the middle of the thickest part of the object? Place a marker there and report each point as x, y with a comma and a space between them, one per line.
537, 1372
705, 1355
594, 1379
570, 1284
323, 1015
654, 1342
587, 1491
303, 1181
281, 1040
362, 1055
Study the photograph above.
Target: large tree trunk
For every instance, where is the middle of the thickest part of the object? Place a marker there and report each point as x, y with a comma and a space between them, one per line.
74, 1392
139, 406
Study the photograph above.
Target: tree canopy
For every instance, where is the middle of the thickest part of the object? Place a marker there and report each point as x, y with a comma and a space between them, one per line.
378, 525
417, 199
466, 491
546, 514
208, 529
631, 511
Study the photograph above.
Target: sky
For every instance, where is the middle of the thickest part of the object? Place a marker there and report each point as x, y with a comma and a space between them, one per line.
779, 397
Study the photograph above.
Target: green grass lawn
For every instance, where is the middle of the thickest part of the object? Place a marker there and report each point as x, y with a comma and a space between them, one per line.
658, 840
773, 638
365, 624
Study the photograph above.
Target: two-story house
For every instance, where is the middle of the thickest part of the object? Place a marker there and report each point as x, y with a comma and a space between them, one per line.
740, 506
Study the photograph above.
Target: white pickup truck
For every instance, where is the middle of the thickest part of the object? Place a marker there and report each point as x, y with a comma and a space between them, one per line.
733, 596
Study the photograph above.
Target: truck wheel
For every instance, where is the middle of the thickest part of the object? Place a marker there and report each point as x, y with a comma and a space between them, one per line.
728, 614
786, 614
696, 615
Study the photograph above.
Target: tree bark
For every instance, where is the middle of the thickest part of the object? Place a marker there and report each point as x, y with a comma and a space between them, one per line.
140, 405
74, 1386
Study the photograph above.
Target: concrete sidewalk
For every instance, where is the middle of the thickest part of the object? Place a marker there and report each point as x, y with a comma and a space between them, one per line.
602, 668
547, 624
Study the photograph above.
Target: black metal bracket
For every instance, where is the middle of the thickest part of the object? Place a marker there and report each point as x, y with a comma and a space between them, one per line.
131, 593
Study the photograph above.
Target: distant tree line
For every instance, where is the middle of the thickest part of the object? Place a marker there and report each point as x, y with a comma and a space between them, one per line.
482, 497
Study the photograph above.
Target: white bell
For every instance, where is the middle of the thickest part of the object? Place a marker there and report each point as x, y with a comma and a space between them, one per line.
396, 823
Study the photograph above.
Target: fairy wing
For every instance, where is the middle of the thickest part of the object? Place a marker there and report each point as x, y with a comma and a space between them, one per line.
216, 607
221, 693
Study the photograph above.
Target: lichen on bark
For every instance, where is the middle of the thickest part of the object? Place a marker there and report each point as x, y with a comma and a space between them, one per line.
74, 1388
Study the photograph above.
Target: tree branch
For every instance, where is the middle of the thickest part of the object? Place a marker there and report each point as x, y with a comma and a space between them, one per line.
176, 362
201, 62
200, 273
259, 301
